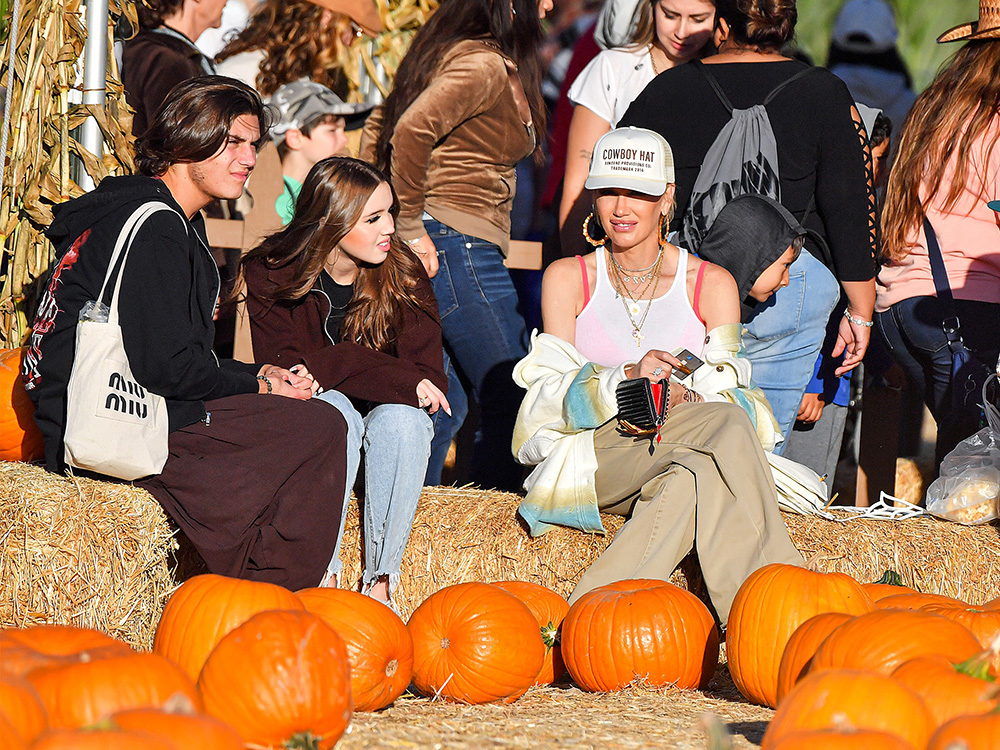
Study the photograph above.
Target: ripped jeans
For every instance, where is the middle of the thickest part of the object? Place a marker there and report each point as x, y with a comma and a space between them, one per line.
396, 440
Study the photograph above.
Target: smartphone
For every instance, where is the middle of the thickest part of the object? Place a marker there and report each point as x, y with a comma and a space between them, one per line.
688, 362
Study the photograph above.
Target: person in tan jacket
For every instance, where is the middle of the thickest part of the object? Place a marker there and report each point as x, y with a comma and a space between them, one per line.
466, 107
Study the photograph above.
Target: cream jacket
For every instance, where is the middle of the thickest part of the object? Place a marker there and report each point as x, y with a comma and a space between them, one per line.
568, 398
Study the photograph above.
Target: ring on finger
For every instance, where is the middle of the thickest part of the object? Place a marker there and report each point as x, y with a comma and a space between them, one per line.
658, 371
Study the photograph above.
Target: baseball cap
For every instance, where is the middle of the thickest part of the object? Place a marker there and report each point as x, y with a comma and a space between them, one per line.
865, 26
301, 102
631, 159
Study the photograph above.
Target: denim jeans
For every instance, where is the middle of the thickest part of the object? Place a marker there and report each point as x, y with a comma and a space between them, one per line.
446, 427
396, 439
912, 330
485, 336
784, 338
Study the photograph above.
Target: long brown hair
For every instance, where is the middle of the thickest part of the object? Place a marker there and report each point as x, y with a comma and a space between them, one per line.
296, 44
512, 24
948, 117
332, 200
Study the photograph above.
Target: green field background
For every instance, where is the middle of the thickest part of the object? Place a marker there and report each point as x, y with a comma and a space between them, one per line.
920, 23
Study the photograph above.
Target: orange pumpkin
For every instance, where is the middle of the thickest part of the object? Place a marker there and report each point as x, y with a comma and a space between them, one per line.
849, 699
643, 629
992, 604
23, 650
984, 623
21, 706
103, 739
280, 677
916, 600
802, 646
835, 739
185, 731
474, 643
81, 694
379, 647
977, 732
948, 689
772, 602
204, 608
9, 737
549, 610
20, 438
882, 640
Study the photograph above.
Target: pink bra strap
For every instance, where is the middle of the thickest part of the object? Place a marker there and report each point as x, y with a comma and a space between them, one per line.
697, 290
586, 280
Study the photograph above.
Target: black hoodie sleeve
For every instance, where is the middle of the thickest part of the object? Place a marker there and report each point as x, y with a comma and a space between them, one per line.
166, 308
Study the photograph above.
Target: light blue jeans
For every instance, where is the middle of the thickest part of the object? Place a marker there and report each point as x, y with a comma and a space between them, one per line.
784, 338
396, 440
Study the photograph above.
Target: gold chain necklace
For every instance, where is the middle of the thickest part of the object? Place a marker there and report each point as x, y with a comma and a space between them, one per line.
652, 61
622, 292
636, 275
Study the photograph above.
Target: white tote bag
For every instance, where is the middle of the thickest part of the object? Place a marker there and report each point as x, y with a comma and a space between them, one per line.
114, 426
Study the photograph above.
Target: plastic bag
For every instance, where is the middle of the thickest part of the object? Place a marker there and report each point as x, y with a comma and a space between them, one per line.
968, 489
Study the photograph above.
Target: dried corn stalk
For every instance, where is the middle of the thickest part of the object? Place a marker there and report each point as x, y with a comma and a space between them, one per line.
402, 19
48, 49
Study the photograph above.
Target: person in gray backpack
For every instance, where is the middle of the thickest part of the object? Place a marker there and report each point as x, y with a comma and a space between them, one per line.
749, 120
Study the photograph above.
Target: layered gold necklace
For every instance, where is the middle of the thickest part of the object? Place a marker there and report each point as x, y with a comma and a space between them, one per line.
621, 279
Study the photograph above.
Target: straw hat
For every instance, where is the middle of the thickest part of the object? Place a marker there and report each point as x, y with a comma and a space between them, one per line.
987, 27
363, 12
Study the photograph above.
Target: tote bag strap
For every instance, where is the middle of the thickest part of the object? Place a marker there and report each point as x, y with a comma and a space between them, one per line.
951, 324
122, 247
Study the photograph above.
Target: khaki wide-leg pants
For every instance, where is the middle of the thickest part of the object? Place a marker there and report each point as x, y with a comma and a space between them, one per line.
706, 484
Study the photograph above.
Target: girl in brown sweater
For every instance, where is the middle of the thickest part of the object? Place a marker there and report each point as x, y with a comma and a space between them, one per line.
465, 108
337, 294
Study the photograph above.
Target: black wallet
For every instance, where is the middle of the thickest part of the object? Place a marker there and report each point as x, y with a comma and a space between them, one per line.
642, 405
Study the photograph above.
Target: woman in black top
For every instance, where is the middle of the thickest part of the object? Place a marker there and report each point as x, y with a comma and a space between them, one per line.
824, 175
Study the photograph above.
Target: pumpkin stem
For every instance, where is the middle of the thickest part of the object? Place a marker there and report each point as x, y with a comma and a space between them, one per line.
303, 741
550, 635
445, 643
719, 737
891, 578
978, 665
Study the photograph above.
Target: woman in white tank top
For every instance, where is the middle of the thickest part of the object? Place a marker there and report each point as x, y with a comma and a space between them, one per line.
623, 312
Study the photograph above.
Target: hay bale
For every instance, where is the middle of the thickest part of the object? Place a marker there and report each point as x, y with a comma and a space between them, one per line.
102, 555
81, 552
465, 534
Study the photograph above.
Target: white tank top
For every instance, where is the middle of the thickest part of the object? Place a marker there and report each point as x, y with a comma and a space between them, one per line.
604, 333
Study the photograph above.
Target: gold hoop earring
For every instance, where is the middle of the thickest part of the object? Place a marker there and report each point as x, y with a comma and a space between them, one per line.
586, 231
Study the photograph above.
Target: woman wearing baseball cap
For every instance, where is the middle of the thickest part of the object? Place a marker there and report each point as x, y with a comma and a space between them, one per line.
636, 308
947, 172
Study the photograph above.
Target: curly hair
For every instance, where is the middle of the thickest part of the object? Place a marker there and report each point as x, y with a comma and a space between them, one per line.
296, 44
765, 25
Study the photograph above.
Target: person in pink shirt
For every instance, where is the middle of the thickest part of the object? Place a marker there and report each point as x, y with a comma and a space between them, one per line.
947, 170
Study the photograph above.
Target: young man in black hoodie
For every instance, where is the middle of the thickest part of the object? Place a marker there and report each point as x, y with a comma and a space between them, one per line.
255, 482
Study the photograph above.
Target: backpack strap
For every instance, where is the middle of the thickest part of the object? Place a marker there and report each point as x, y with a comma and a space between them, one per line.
780, 87
699, 65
